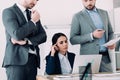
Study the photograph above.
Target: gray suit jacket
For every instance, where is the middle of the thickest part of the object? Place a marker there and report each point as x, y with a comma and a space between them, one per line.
18, 28
81, 28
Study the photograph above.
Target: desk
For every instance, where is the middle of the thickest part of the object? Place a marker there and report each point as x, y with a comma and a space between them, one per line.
106, 76
100, 76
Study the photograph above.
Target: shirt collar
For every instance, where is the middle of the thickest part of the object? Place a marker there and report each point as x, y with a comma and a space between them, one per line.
94, 10
61, 55
21, 7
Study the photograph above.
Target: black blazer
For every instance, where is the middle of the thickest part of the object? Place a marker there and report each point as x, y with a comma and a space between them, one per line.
18, 28
53, 63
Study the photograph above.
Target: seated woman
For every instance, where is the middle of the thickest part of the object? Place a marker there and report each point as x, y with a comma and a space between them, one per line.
59, 60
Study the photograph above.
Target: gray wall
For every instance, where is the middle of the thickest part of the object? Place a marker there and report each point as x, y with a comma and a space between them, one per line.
116, 3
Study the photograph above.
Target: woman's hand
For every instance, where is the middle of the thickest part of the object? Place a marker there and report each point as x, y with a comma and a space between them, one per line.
54, 48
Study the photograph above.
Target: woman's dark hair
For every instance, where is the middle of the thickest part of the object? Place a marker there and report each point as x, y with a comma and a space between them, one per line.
56, 36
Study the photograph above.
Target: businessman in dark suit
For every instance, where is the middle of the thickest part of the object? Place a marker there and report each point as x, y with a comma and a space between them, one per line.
24, 33
91, 28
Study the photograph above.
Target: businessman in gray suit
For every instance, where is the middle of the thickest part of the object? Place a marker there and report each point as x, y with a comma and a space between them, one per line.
91, 28
24, 33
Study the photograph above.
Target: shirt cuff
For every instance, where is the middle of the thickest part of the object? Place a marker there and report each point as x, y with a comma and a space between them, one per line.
34, 22
29, 42
91, 36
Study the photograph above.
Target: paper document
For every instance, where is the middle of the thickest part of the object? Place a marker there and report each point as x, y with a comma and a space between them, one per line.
111, 42
66, 77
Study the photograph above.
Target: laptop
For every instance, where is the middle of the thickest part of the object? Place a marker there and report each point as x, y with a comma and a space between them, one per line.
83, 60
85, 75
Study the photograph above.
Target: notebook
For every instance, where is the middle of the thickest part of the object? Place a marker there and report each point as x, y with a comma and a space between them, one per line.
83, 60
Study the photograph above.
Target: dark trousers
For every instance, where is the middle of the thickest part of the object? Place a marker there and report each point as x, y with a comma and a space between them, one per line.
105, 65
23, 72
105, 54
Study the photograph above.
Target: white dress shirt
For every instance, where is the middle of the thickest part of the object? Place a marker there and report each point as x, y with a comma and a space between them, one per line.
65, 64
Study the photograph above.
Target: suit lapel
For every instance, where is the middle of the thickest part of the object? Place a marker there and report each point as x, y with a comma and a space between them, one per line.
102, 17
19, 12
104, 22
88, 19
71, 59
58, 67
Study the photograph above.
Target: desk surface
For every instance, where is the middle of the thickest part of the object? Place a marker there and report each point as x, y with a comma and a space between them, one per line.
106, 76
100, 76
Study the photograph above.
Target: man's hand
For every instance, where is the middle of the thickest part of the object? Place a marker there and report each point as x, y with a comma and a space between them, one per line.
35, 16
98, 33
111, 46
20, 42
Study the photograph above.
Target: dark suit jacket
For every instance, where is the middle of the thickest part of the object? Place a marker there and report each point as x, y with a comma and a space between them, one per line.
18, 28
53, 63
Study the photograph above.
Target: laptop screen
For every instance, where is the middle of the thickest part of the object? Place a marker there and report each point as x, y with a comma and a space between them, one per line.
86, 73
83, 60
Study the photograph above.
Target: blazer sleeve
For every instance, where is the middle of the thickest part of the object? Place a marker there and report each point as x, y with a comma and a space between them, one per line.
39, 36
50, 65
13, 26
75, 34
19, 31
